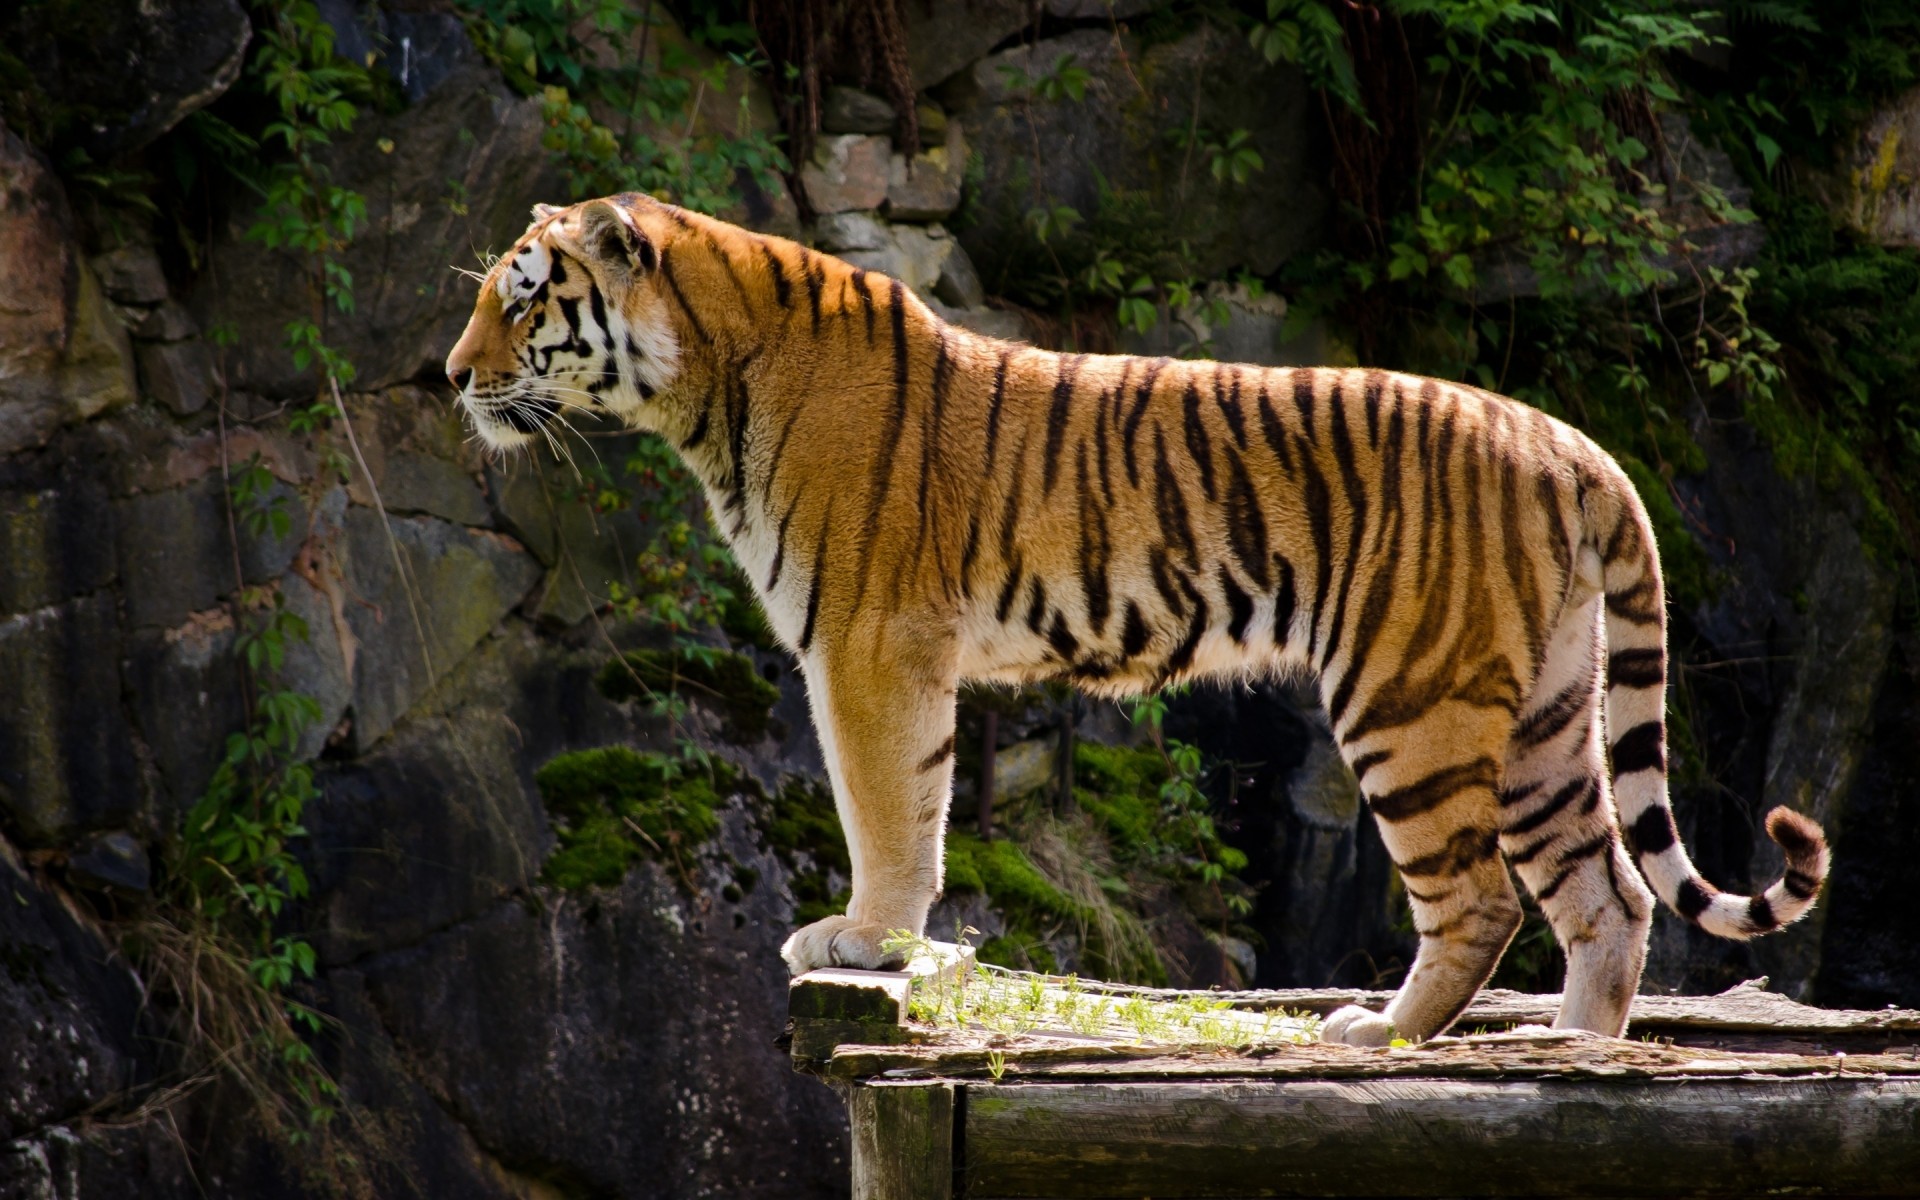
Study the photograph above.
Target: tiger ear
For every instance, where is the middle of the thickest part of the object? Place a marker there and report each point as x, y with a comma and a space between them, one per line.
609, 233
542, 211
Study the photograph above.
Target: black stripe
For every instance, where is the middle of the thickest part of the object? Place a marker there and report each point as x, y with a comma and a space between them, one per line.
1643, 668
1141, 396
889, 441
1199, 445
1275, 433
1164, 575
1063, 642
1283, 602
1182, 656
680, 297
700, 428
1465, 850
1007, 592
1228, 399
1095, 551
1239, 605
1319, 502
1543, 724
1760, 915
1800, 885
1069, 370
866, 300
782, 287
1342, 443
1642, 748
940, 755
1692, 899
1133, 632
1425, 795
816, 278
1037, 605
993, 405
1555, 803
1171, 504
780, 545
1571, 861
1303, 401
1652, 832
1367, 762
971, 552
814, 585
1635, 605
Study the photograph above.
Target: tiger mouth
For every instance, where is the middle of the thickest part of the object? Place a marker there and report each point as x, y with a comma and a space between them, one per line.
512, 420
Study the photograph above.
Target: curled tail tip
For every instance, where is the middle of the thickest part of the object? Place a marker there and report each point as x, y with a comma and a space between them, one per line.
1805, 846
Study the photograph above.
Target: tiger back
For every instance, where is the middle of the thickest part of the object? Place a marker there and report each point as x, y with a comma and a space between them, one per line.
1472, 584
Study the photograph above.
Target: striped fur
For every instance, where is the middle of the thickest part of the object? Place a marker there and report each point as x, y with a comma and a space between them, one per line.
1473, 584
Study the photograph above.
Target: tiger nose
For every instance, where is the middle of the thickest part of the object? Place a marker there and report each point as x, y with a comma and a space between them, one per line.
459, 377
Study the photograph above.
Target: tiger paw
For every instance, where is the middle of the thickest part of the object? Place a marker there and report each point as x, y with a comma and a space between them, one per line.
841, 942
1356, 1026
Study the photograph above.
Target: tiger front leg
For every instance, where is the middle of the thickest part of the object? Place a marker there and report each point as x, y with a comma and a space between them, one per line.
885, 716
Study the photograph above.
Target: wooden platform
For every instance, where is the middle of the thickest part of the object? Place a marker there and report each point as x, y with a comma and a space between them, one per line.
1741, 1094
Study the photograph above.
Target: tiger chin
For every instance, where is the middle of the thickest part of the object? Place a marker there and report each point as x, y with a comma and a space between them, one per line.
1472, 584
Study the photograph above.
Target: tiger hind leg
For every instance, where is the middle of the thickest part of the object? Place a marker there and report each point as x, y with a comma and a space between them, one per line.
1431, 785
1562, 835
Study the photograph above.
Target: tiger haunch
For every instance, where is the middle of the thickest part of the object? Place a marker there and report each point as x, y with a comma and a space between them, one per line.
1472, 583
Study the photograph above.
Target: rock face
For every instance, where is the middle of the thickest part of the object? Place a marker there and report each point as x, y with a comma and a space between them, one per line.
1047, 152
464, 167
63, 355
1877, 187
112, 77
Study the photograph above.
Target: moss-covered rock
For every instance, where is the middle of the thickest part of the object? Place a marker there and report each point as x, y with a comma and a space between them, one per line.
720, 678
613, 806
805, 830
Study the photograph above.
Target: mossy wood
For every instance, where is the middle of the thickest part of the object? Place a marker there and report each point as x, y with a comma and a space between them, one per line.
1738, 1094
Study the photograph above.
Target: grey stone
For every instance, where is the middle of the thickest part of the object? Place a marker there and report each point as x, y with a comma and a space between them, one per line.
765, 205
66, 754
167, 322
844, 231
466, 165
914, 255
131, 274
186, 693
1323, 790
64, 356
585, 551
124, 74
423, 483
958, 283
1118, 10
114, 860
846, 174
1001, 323
927, 186
1876, 188
56, 541
942, 38
1116, 138
176, 375
1256, 330
674, 1018
177, 553
68, 1012
850, 110
462, 581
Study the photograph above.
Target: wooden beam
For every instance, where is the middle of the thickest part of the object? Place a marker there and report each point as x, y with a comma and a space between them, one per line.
902, 1141
1832, 1136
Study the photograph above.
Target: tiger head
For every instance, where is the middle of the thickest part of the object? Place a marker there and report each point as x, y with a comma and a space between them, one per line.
571, 321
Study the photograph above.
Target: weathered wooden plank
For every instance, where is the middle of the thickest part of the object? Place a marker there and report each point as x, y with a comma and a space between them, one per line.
902, 1141
1511, 1056
1427, 1137
838, 1005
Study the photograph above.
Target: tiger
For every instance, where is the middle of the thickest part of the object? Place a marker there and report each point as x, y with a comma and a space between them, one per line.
1472, 585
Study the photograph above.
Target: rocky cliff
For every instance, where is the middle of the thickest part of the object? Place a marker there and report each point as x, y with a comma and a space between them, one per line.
535, 984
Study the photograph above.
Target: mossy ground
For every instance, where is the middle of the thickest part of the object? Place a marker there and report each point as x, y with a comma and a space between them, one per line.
613, 806
721, 678
805, 830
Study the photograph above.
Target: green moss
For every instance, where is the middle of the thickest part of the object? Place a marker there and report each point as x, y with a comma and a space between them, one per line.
744, 621
613, 806
719, 677
804, 830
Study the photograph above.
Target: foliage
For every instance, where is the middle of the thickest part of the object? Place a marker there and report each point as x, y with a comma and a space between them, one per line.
803, 828
613, 806
726, 679
622, 97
